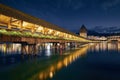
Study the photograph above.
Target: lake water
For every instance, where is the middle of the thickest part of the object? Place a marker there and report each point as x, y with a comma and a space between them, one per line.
93, 61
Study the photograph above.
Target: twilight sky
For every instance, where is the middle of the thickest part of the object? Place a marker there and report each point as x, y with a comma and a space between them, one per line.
71, 14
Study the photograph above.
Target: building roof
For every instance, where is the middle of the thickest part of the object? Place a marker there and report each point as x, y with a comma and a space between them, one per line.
83, 29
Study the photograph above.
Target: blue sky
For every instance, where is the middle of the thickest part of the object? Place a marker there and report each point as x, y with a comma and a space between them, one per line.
71, 14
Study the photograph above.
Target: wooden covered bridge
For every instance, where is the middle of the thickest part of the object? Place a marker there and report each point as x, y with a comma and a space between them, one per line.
18, 27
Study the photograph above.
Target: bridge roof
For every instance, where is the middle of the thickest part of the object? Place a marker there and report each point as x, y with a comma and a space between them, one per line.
8, 11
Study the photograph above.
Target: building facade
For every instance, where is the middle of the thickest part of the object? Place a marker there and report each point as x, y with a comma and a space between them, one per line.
83, 31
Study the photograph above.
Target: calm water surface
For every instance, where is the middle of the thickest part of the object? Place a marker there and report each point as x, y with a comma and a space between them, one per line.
98, 61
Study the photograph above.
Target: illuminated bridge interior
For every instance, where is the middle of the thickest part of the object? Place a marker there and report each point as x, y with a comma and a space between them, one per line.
14, 22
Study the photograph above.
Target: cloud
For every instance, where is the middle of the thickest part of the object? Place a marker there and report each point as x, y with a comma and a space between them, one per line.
110, 4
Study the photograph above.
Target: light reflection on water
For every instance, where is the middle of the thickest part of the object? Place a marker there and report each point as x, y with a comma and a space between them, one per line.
42, 68
105, 46
15, 51
10, 48
51, 70
102, 62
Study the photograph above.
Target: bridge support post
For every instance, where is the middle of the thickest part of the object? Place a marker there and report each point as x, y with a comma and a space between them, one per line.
62, 45
24, 49
55, 45
77, 44
32, 49
72, 45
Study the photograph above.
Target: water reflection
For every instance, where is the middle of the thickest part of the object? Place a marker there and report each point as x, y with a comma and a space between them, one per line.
40, 68
12, 53
10, 48
62, 62
105, 46
17, 48
96, 65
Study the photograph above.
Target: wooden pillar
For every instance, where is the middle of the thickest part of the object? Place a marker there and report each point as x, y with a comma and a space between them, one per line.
9, 23
35, 47
21, 25
33, 29
72, 45
24, 48
67, 46
76, 44
32, 49
62, 45
55, 45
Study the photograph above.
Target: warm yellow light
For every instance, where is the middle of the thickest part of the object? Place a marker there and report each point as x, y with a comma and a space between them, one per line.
50, 30
59, 65
52, 68
41, 76
51, 74
4, 19
4, 48
65, 62
57, 33
39, 29
25, 23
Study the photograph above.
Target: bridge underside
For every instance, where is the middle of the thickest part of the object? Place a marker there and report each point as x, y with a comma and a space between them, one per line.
114, 40
29, 40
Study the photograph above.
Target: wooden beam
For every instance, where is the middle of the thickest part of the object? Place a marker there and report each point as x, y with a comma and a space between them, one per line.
33, 29
9, 23
21, 25
14, 20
